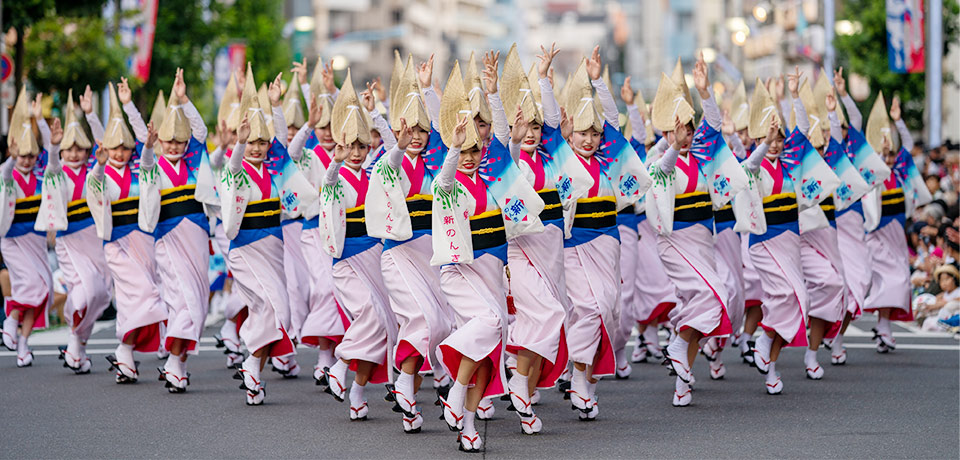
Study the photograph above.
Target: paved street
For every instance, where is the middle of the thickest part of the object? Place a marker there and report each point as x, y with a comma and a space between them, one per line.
904, 404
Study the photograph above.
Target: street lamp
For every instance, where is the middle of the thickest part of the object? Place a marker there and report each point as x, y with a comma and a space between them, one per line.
760, 12
304, 23
739, 38
847, 27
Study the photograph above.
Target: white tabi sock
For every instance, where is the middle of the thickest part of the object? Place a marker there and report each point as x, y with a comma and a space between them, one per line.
405, 384
22, 348
125, 354
339, 368
356, 394
173, 365
579, 383
678, 350
252, 365
458, 392
592, 388
772, 373
883, 326
468, 421
810, 358
764, 343
838, 344
650, 335
325, 358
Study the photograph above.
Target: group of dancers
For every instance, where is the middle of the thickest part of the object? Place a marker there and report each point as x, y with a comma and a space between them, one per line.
500, 238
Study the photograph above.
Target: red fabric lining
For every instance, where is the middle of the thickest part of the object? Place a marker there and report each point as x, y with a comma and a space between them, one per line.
40, 318
594, 168
78, 179
262, 181
29, 187
178, 177
540, 177
451, 360
659, 314
241, 317
692, 170
380, 372
404, 351
360, 184
604, 362
477, 188
415, 172
776, 172
146, 339
551, 371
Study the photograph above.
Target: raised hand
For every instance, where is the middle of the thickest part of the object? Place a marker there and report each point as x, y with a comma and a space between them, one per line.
626, 92
460, 132
101, 154
839, 82
425, 72
772, 131
366, 98
778, 88
552, 81
885, 146
300, 70
243, 130
546, 59
831, 102
35, 108
700, 78
315, 111
326, 74
680, 134
56, 132
727, 127
273, 92
378, 89
895, 109
86, 100
594, 66
340, 152
793, 82
566, 124
520, 127
151, 136
491, 62
123, 91
180, 88
404, 135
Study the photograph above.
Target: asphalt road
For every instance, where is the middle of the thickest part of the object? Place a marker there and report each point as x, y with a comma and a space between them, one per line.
905, 404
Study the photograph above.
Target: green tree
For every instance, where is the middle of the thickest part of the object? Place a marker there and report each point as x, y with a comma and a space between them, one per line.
19, 16
68, 53
258, 24
865, 53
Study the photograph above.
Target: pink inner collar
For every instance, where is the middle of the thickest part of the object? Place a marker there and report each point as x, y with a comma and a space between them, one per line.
261, 180
477, 188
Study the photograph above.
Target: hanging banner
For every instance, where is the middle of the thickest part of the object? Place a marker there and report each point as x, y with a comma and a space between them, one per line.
138, 22
905, 40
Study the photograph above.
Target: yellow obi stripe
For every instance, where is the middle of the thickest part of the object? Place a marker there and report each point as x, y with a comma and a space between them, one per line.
487, 230
420, 209
597, 212
893, 202
78, 210
692, 207
26, 209
261, 214
125, 211
781, 208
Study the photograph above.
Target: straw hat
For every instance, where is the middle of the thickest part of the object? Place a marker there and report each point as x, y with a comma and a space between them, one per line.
292, 110
159, 109
408, 103
678, 79
820, 91
250, 106
878, 125
739, 108
580, 103
478, 99
669, 104
229, 105
73, 133
347, 122
175, 126
395, 75
21, 125
117, 132
763, 109
453, 106
515, 90
815, 136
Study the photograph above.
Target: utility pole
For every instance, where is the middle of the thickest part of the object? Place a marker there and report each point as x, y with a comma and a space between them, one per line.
829, 20
934, 82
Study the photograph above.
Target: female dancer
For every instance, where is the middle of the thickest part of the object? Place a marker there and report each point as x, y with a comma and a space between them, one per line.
682, 215
399, 211
24, 248
592, 252
537, 334
181, 229
367, 346
113, 196
79, 251
470, 228
259, 185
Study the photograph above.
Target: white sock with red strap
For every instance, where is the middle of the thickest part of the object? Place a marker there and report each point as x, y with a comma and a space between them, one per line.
356, 395
469, 427
405, 384
810, 359
252, 365
883, 326
125, 354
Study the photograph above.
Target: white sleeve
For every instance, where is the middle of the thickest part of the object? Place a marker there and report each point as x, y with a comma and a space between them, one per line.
636, 124
753, 161
395, 157
295, 150
906, 139
803, 123
669, 160
96, 127
305, 90
449, 170
217, 156
236, 159
551, 109
610, 112
332, 175
738, 149
711, 112
279, 126
432, 101
44, 133
835, 131
197, 127
853, 112
147, 158
136, 121
501, 127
